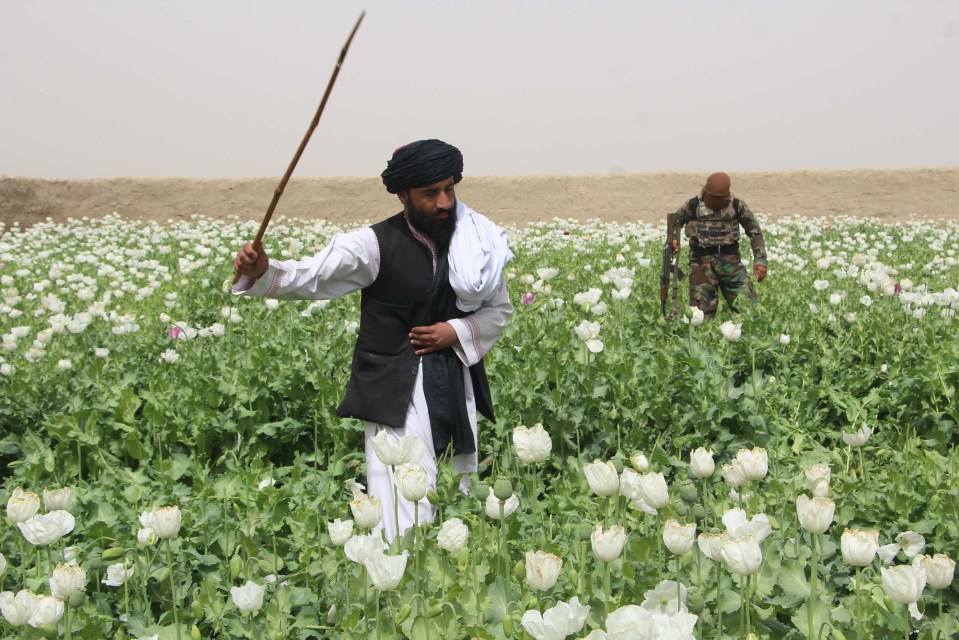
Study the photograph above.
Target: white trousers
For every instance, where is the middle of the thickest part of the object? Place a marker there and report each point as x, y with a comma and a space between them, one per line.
379, 477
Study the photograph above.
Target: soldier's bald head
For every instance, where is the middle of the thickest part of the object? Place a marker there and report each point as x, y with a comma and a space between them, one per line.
717, 184
715, 192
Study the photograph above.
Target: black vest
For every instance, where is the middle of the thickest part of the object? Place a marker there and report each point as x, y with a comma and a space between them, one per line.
385, 364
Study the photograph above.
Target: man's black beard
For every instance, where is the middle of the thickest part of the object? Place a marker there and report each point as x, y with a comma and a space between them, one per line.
441, 231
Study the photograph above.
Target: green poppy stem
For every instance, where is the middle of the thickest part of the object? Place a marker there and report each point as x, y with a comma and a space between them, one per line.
366, 596
699, 568
814, 570
476, 590
396, 506
346, 581
316, 444
482, 528
606, 589
581, 553
719, 591
679, 588
859, 613
23, 561
532, 476
707, 494
742, 606
416, 556
502, 538
176, 615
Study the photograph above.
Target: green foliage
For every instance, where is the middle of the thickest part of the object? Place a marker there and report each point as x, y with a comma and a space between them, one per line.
240, 430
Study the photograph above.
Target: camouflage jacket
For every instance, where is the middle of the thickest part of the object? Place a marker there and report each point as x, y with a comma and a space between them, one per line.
707, 228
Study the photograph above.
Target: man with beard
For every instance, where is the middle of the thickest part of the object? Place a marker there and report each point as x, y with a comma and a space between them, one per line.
433, 302
712, 222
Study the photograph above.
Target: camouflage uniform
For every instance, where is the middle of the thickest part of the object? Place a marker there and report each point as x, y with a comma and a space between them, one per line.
714, 260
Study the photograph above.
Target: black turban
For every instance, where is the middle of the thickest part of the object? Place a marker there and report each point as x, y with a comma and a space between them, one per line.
422, 163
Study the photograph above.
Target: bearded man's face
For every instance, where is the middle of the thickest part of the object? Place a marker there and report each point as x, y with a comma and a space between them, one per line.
432, 209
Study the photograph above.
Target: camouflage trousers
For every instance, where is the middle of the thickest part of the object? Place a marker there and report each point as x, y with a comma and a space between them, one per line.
723, 272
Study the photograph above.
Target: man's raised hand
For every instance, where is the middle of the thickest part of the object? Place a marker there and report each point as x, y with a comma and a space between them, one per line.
250, 262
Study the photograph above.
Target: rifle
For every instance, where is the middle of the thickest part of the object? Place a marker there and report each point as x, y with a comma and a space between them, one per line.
672, 274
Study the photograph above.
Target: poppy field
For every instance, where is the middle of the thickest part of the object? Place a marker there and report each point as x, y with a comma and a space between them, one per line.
172, 467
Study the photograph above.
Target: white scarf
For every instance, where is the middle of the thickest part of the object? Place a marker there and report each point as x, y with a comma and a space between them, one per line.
478, 252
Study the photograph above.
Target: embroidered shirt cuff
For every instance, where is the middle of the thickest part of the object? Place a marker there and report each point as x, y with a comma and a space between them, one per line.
258, 287
468, 349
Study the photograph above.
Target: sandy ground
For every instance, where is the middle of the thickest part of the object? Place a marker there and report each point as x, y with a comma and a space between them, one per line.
885, 195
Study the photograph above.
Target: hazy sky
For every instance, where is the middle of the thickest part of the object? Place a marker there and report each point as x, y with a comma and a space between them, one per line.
228, 88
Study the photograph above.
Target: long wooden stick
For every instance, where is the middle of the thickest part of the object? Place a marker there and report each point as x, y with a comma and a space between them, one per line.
258, 240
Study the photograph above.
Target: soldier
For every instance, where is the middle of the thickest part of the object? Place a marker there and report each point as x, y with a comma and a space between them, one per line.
712, 223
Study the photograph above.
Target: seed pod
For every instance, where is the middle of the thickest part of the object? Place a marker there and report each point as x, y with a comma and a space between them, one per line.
403, 613
687, 491
695, 602
519, 570
585, 530
699, 512
236, 567
481, 491
502, 488
113, 552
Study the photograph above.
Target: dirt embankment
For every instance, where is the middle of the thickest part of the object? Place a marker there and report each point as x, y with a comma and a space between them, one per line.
885, 195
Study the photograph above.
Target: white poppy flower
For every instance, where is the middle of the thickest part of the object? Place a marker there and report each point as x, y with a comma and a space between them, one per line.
608, 545
542, 569
249, 597
731, 330
492, 506
532, 444
41, 530
453, 535
117, 575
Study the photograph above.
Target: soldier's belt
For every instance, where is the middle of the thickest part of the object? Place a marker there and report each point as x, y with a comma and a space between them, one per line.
720, 250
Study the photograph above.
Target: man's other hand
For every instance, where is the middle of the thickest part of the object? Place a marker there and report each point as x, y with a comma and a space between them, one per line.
759, 270
250, 262
675, 245
433, 338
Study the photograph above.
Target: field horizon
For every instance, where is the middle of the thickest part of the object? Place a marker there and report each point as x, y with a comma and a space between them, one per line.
886, 195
